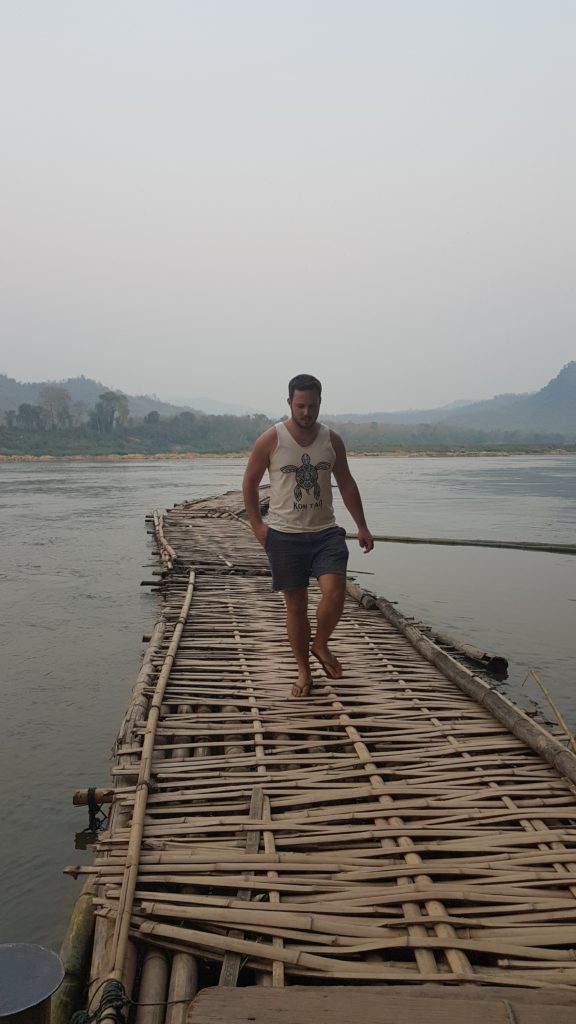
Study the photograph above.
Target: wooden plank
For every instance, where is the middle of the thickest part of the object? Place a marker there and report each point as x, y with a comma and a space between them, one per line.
372, 1005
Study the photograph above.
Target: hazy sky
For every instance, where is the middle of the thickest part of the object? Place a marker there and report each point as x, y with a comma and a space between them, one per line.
204, 197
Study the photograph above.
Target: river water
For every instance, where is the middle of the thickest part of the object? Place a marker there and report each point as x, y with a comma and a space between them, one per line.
72, 614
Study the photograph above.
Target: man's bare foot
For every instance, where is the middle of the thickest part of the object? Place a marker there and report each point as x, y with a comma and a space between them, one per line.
302, 689
329, 662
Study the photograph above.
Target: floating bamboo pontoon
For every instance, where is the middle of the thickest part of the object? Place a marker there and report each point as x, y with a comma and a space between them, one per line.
388, 829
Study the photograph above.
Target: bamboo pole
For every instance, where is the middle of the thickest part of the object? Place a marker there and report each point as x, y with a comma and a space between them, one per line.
101, 796
277, 977
137, 710
167, 553
182, 989
559, 716
513, 545
153, 988
122, 927
493, 663
332, 966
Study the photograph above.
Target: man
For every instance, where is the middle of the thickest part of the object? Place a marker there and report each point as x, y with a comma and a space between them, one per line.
301, 537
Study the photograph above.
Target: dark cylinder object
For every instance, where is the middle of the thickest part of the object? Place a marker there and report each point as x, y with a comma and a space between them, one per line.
29, 975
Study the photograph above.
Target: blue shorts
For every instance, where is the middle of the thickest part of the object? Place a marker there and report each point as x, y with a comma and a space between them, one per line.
295, 557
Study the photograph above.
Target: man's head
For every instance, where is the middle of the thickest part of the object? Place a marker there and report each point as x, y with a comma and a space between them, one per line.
304, 382
304, 396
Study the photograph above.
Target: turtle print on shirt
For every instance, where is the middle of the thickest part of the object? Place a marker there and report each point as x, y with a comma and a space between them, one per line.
306, 476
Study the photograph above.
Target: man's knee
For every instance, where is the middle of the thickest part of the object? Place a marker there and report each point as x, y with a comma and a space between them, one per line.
296, 600
332, 586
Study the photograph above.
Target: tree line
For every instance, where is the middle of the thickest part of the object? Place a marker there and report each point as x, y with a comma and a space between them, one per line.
56, 425
55, 410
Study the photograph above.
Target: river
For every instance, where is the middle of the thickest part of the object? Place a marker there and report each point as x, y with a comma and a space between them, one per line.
74, 550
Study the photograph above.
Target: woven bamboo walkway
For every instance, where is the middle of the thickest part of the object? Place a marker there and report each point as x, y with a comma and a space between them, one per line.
387, 829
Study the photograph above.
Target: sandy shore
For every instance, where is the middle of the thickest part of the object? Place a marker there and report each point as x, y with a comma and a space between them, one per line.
123, 458
177, 456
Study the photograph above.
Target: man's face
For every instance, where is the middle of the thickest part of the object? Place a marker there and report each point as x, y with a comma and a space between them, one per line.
305, 406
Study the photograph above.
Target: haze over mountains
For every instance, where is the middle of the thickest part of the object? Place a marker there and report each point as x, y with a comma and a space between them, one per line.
551, 410
88, 391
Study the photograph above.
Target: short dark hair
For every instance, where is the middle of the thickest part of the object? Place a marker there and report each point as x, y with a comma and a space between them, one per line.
304, 382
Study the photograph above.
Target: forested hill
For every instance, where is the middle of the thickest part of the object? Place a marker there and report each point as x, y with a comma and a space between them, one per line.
82, 419
86, 391
82, 390
550, 410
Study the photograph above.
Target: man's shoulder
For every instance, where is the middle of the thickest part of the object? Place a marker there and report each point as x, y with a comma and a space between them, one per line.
266, 440
335, 438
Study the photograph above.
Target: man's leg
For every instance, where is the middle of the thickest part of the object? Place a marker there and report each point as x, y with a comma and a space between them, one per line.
333, 590
298, 628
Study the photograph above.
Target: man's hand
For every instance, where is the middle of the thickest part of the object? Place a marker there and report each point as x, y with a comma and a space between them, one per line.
260, 531
365, 539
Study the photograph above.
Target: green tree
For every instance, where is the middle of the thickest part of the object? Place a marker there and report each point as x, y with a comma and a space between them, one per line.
78, 413
32, 417
58, 404
111, 410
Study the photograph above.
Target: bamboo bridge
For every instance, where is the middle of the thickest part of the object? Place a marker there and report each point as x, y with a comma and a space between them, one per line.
404, 831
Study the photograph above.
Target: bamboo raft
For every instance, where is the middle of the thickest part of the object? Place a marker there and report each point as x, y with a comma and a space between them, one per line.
387, 830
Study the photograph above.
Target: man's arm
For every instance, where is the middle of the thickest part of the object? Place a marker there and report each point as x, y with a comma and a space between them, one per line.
255, 469
350, 493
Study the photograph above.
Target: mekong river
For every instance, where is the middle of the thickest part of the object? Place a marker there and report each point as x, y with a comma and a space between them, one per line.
73, 614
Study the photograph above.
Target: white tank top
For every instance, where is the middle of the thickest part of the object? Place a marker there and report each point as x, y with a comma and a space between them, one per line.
301, 483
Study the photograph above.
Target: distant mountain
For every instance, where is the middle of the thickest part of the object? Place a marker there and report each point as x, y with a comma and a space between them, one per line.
13, 393
552, 410
404, 416
81, 389
84, 389
214, 407
459, 404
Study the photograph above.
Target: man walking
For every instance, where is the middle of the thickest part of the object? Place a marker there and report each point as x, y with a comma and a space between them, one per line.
301, 537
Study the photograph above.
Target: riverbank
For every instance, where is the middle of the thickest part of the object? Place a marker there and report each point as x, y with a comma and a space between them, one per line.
455, 453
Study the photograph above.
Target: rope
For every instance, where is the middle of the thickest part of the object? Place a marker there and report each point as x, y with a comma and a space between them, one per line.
96, 821
510, 1012
96, 816
112, 1003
